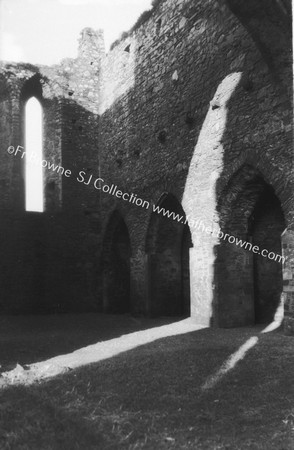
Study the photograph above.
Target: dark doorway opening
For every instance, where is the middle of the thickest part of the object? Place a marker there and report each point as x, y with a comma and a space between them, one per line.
116, 267
267, 225
167, 246
248, 285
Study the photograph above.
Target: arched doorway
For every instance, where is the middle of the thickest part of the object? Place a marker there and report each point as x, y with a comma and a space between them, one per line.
116, 266
167, 246
248, 283
267, 225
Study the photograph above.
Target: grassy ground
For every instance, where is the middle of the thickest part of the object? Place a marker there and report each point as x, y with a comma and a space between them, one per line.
31, 338
150, 397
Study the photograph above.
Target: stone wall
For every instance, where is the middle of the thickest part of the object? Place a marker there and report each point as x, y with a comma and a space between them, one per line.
194, 105
288, 279
195, 82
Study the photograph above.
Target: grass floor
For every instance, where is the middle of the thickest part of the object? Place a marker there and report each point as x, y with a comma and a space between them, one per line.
149, 397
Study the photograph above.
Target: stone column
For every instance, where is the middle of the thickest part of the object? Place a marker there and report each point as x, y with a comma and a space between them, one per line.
201, 286
139, 282
288, 280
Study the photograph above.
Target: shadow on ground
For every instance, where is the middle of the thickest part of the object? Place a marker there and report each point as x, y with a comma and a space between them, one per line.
151, 398
32, 338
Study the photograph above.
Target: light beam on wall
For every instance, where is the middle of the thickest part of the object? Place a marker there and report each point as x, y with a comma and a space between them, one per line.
201, 210
33, 147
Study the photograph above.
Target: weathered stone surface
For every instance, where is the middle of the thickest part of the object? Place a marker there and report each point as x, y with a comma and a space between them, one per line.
288, 280
195, 103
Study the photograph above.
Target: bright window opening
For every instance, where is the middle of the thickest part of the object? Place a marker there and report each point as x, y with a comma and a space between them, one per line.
33, 157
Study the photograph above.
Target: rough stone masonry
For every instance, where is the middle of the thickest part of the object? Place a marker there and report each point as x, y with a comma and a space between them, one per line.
190, 111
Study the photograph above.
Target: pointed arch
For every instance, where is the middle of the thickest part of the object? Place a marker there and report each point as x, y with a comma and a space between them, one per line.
34, 192
31, 108
249, 285
168, 242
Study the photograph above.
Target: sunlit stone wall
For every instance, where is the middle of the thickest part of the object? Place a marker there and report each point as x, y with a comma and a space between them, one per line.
179, 106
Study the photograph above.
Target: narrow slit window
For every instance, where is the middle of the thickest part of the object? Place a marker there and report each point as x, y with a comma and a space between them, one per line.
34, 196
158, 26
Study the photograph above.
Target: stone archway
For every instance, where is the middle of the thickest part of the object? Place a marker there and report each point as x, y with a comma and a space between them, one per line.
248, 284
167, 246
116, 266
267, 225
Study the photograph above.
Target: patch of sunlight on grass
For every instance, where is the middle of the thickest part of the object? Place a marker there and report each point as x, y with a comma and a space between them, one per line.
278, 318
230, 363
237, 356
93, 353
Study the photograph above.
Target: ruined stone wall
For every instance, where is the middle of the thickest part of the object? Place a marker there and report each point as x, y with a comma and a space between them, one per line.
50, 257
187, 100
192, 103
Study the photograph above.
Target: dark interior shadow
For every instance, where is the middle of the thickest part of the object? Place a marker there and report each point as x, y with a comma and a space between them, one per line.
32, 338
